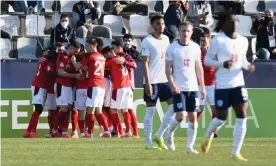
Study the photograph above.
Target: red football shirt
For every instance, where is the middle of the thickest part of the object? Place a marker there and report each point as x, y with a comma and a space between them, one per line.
44, 75
64, 63
209, 72
95, 63
119, 74
82, 84
51, 76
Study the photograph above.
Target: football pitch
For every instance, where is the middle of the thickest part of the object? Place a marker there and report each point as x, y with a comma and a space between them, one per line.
38, 152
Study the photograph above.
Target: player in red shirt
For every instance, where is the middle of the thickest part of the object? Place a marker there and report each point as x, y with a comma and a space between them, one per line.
209, 77
45, 73
121, 90
118, 49
95, 91
63, 87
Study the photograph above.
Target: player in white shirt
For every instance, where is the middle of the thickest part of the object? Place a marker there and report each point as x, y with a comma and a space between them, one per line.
229, 49
156, 86
184, 72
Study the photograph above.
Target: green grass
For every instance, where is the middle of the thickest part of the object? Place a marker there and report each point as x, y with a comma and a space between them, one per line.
53, 152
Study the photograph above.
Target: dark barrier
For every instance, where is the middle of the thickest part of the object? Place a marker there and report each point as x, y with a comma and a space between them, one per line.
19, 74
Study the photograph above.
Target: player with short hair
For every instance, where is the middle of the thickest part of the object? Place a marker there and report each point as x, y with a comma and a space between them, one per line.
154, 47
129, 116
184, 72
63, 88
95, 91
209, 77
229, 49
44, 76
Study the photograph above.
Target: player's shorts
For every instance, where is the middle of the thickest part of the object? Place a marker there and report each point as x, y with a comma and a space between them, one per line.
122, 98
95, 97
161, 91
108, 92
38, 95
186, 101
80, 102
64, 95
210, 95
226, 98
51, 103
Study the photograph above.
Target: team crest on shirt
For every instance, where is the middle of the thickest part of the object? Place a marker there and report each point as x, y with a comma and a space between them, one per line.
219, 103
61, 65
179, 105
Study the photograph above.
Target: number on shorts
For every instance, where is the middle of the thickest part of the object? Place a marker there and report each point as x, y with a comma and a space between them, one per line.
124, 71
38, 70
99, 68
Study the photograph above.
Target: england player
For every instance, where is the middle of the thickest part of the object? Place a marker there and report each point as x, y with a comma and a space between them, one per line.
154, 47
209, 77
184, 72
229, 49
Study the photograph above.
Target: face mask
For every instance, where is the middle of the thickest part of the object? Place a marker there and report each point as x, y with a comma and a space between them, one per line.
64, 24
127, 45
268, 19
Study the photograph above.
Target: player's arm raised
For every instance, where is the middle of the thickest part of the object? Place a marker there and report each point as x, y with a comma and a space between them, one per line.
200, 75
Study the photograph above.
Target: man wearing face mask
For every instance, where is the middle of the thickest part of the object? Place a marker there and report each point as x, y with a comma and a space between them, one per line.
265, 29
129, 48
63, 32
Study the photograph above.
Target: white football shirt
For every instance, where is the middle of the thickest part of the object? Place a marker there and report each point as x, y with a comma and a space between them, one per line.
223, 48
155, 49
183, 60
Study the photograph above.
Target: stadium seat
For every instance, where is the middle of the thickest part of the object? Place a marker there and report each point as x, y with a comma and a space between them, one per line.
48, 5
101, 4
253, 47
244, 25
150, 4
137, 43
165, 5
250, 6
26, 48
35, 25
67, 5
115, 23
5, 48
270, 4
7, 22
55, 19
139, 25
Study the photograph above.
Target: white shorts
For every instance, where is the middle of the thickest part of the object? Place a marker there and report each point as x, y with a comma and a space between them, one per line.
210, 95
108, 92
51, 103
95, 97
80, 99
64, 95
122, 98
38, 95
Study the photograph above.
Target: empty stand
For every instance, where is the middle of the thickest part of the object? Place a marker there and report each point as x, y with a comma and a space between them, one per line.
5, 48
7, 22
250, 6
67, 5
244, 25
26, 48
139, 25
115, 23
137, 42
48, 5
35, 25
150, 4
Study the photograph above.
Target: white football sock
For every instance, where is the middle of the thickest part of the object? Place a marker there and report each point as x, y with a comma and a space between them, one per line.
191, 133
238, 135
148, 120
173, 126
166, 121
214, 124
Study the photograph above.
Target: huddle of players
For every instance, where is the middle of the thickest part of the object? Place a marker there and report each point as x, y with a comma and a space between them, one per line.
97, 80
189, 82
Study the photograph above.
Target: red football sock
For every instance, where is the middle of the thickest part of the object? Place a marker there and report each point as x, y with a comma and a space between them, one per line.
65, 116
33, 122
81, 125
134, 123
85, 125
199, 114
127, 121
107, 114
51, 118
103, 121
213, 115
56, 120
115, 121
74, 120
120, 127
90, 123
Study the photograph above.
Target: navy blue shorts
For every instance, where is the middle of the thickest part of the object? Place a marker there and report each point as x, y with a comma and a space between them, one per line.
161, 91
225, 98
186, 101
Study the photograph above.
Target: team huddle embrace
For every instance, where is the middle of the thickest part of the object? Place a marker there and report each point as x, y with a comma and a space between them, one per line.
95, 79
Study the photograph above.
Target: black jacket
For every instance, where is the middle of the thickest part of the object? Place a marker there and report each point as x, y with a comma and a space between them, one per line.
64, 36
133, 52
260, 27
93, 14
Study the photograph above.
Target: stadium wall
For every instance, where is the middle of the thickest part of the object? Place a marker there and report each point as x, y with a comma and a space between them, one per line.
16, 108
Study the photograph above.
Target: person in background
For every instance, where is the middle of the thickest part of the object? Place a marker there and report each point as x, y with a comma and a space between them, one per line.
129, 48
265, 29
63, 32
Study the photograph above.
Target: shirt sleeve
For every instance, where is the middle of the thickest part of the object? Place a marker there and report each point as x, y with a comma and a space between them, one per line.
169, 53
211, 56
245, 63
145, 50
108, 64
